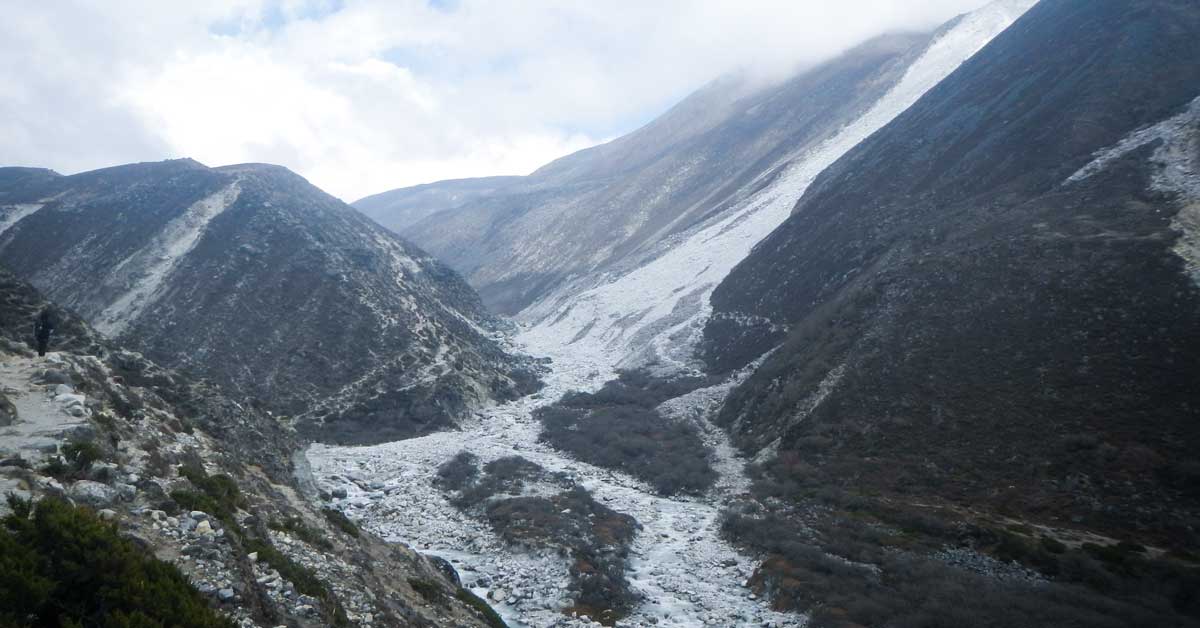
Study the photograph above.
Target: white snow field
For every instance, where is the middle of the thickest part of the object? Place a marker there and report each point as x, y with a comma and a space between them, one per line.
687, 574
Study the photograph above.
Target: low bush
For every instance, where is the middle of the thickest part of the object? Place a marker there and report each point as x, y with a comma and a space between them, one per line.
596, 537
60, 565
893, 579
618, 428
301, 577
303, 531
503, 475
457, 472
82, 455
489, 614
428, 590
341, 521
217, 495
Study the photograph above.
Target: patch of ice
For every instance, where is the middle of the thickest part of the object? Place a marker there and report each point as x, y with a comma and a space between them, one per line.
140, 278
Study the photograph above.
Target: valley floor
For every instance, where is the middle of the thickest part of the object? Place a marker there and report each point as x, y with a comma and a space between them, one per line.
687, 574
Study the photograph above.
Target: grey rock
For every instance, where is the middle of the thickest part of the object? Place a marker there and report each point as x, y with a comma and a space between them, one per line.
56, 376
93, 494
102, 471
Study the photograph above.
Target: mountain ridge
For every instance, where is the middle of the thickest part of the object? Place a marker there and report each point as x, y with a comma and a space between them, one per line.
197, 267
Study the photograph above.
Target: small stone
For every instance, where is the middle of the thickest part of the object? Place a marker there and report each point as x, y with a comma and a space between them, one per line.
204, 527
107, 514
198, 515
225, 594
339, 493
253, 556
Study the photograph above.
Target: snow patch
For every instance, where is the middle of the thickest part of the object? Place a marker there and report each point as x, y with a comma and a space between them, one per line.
140, 278
1177, 172
691, 269
14, 213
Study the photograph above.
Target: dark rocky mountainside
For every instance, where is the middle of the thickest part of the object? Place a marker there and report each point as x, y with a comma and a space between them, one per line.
993, 301
612, 206
193, 479
278, 292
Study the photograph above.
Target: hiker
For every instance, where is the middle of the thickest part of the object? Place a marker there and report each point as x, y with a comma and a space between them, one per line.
43, 328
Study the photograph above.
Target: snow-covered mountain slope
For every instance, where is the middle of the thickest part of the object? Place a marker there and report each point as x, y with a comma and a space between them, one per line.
653, 315
252, 277
610, 205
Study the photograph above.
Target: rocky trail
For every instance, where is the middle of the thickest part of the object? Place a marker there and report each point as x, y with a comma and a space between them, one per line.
687, 574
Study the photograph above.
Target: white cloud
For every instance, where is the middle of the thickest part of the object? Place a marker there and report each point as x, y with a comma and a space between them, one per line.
366, 95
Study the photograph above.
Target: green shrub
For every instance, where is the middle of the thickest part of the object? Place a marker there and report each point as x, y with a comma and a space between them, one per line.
489, 614
301, 577
341, 521
60, 565
55, 467
218, 495
619, 428
303, 531
427, 589
457, 472
81, 455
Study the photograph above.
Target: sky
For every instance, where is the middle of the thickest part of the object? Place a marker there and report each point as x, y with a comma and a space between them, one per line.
363, 96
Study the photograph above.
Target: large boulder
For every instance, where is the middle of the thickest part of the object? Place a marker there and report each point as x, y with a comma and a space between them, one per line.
94, 494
